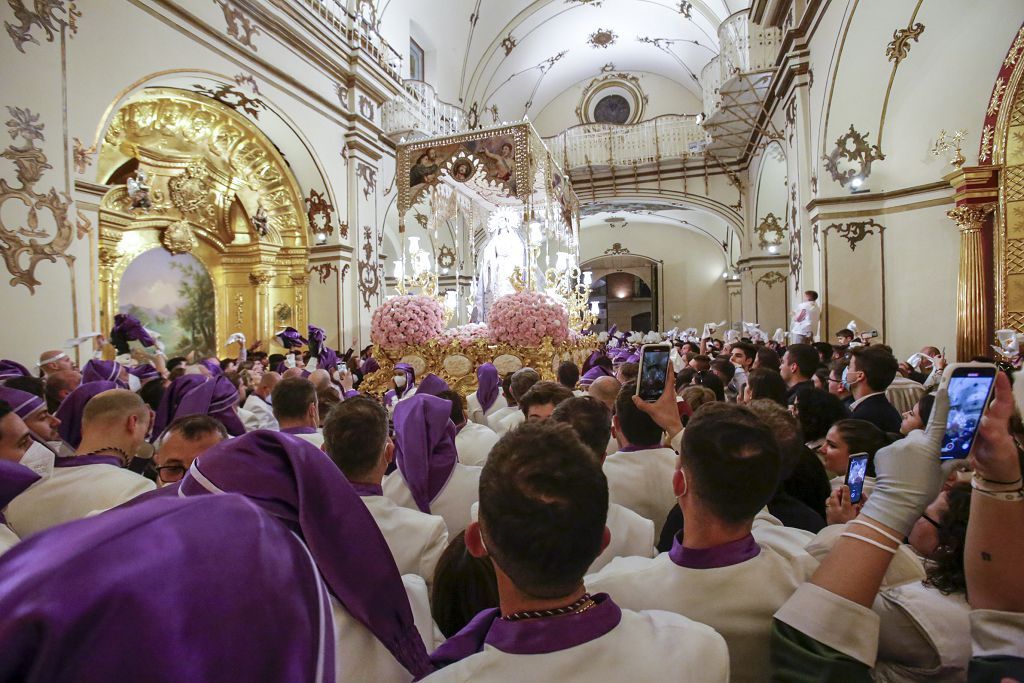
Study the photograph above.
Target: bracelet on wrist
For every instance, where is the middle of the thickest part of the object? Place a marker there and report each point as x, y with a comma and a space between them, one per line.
980, 483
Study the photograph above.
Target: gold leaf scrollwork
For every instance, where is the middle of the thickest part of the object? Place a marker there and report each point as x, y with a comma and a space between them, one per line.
446, 256
770, 225
190, 191
899, 47
616, 249
46, 15
318, 206
21, 255
852, 147
770, 279
239, 25
369, 270
855, 231
83, 156
177, 238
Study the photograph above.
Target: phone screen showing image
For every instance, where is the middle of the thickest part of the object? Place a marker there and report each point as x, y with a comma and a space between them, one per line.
855, 473
653, 368
969, 389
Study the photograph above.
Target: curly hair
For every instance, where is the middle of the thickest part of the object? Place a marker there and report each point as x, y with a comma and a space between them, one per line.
946, 571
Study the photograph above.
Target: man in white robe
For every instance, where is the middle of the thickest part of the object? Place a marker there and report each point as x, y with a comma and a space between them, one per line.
182, 442
356, 439
631, 534
258, 404
43, 425
522, 381
722, 570
543, 505
487, 400
473, 441
297, 409
640, 472
114, 426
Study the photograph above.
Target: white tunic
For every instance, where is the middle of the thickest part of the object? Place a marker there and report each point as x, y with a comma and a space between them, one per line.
494, 419
474, 443
263, 414
316, 438
452, 503
416, 539
645, 646
631, 535
359, 656
642, 481
738, 600
8, 539
510, 422
72, 493
476, 413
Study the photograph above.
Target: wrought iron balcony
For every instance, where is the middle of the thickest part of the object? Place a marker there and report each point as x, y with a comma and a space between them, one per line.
419, 112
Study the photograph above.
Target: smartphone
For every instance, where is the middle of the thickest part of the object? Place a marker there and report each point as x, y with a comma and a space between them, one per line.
970, 388
653, 369
856, 470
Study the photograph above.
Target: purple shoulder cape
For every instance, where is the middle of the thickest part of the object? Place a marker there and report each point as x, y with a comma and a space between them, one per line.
424, 446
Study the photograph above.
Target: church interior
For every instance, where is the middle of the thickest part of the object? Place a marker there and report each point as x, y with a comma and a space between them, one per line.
470, 214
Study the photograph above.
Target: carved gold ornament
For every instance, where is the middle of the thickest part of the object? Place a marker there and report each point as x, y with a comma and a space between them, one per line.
25, 244
944, 144
369, 271
602, 38
177, 238
770, 226
971, 216
190, 191
230, 97
83, 156
616, 249
239, 25
855, 231
446, 257
770, 279
899, 47
46, 14
854, 148
319, 211
283, 313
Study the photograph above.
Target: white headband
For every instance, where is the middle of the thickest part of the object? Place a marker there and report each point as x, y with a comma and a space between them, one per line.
56, 358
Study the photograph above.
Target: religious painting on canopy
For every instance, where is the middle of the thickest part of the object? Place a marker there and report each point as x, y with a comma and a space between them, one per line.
490, 163
172, 295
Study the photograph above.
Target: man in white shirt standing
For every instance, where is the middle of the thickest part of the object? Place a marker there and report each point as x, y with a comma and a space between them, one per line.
805, 319
543, 505
356, 439
473, 442
640, 472
511, 417
258, 404
297, 410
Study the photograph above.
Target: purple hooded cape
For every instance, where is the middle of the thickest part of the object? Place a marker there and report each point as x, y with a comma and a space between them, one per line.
128, 328
21, 402
425, 446
293, 481
103, 371
327, 358
432, 385
9, 369
238, 600
144, 372
393, 395
370, 365
488, 385
290, 338
591, 359
199, 395
71, 409
14, 478
213, 366
592, 374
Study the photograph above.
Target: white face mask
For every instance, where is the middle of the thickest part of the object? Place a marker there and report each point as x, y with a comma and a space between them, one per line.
134, 383
400, 381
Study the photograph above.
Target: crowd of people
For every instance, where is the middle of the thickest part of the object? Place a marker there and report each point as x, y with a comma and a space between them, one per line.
261, 518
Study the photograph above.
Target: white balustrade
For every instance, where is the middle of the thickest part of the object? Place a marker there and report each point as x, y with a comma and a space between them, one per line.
744, 47
419, 111
602, 145
358, 33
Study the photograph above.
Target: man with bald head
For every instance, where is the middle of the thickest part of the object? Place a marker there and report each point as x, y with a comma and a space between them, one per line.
606, 390
292, 373
54, 361
258, 404
58, 385
114, 426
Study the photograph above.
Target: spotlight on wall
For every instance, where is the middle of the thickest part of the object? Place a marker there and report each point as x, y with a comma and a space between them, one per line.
321, 238
773, 249
725, 274
857, 184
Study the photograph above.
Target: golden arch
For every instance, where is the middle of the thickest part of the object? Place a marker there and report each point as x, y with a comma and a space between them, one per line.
210, 172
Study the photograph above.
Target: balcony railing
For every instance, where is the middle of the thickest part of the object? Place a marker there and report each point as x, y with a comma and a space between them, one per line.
419, 112
745, 47
602, 145
358, 32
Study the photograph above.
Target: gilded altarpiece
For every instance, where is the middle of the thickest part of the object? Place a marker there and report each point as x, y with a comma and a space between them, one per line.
190, 175
1009, 242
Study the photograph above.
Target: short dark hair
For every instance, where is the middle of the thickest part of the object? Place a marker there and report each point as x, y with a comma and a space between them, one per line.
824, 350
765, 383
543, 506
195, 427
292, 397
845, 333
463, 587
732, 459
784, 426
768, 358
703, 362
605, 362
636, 426
946, 570
629, 371
817, 411
30, 385
458, 414
275, 359
521, 381
5, 409
811, 294
152, 393
568, 374
862, 436
805, 357
710, 380
543, 393
748, 349
590, 419
724, 367
878, 365
684, 377
355, 434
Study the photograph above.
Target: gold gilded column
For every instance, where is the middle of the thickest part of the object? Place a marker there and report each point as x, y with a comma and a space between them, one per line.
260, 279
972, 298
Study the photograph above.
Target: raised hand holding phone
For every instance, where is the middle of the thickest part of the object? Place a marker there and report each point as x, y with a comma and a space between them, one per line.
969, 386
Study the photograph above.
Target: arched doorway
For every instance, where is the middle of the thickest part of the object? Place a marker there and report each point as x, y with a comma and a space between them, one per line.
191, 176
625, 289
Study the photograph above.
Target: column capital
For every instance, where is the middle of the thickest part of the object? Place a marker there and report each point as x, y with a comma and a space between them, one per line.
261, 277
970, 217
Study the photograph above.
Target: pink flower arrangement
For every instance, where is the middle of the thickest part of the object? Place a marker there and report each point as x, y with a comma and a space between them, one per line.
407, 320
525, 318
465, 335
